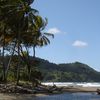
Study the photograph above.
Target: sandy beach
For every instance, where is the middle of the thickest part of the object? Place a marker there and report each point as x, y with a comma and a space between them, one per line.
5, 96
80, 89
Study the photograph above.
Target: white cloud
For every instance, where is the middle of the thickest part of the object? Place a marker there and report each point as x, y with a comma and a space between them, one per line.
54, 30
80, 44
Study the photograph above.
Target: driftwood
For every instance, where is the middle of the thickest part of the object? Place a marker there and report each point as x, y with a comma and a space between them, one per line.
98, 91
54, 88
12, 88
48, 89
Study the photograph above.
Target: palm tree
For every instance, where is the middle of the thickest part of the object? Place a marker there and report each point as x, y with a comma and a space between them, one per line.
40, 38
16, 15
23, 28
4, 40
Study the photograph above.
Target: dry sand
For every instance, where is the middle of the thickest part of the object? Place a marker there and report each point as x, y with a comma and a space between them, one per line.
6, 96
13, 97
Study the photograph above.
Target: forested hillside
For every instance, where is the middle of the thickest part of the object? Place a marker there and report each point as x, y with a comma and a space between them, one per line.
68, 72
50, 72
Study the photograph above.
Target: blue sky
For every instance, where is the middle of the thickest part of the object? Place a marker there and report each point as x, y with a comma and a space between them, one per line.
76, 25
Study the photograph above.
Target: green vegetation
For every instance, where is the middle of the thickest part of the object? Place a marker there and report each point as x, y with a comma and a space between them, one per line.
21, 29
72, 72
50, 72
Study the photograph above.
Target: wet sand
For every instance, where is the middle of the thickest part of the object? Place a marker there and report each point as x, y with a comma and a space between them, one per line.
80, 89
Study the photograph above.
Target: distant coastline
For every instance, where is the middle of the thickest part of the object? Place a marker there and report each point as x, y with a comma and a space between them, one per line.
76, 86
73, 84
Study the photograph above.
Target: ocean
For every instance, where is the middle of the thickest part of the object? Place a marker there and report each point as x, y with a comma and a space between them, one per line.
70, 96
83, 84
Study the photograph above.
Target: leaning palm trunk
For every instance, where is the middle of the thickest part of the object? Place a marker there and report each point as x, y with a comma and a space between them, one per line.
26, 60
10, 60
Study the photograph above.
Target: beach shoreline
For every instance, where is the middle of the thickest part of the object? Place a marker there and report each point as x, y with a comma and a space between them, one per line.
80, 89
18, 96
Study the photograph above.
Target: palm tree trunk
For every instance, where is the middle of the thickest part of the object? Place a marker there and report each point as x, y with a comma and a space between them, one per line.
3, 56
10, 60
34, 51
17, 82
18, 64
29, 65
4, 69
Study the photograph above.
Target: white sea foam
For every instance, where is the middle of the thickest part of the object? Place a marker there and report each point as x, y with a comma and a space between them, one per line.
83, 84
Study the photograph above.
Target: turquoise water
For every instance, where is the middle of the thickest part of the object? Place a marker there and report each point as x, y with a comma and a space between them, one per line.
70, 96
